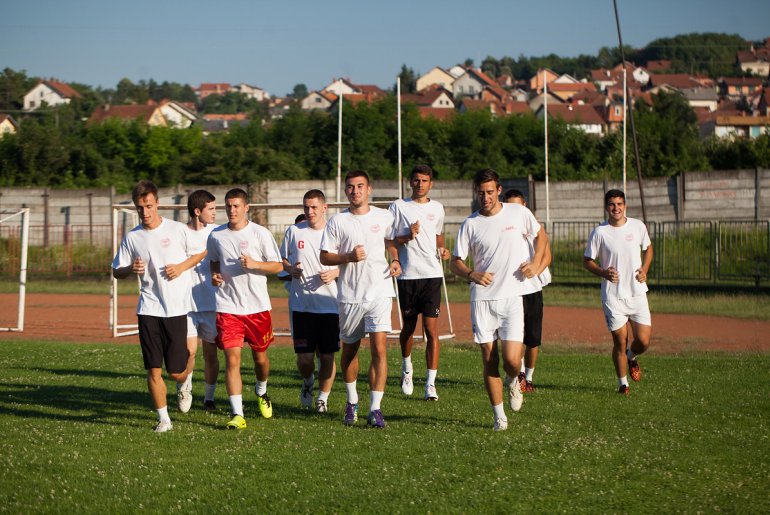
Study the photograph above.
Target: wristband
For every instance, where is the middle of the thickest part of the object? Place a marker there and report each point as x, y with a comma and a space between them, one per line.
469, 274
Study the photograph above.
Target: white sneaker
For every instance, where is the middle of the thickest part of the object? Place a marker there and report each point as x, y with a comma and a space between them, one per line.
430, 393
501, 424
515, 398
306, 397
163, 426
320, 406
407, 386
184, 397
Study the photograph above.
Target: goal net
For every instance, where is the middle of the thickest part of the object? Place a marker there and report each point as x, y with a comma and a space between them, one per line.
275, 217
14, 242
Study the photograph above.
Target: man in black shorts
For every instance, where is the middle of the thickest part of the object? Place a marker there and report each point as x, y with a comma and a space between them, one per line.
156, 250
312, 301
533, 305
418, 232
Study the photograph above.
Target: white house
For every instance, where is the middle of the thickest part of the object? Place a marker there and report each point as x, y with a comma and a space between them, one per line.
177, 115
315, 100
437, 76
49, 92
342, 87
254, 92
583, 117
7, 125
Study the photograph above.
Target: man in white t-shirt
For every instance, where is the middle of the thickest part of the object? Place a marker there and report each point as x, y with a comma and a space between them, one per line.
533, 305
418, 231
315, 324
356, 240
202, 320
494, 237
624, 251
157, 250
241, 254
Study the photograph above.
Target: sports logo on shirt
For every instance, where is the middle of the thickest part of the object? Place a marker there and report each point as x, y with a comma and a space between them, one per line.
509, 228
629, 237
165, 242
431, 217
375, 228
243, 245
301, 244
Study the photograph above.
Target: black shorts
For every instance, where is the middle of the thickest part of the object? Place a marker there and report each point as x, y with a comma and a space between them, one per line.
164, 339
315, 331
420, 297
533, 318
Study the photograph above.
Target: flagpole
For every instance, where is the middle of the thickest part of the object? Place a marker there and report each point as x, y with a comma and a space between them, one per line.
339, 147
398, 116
625, 88
545, 118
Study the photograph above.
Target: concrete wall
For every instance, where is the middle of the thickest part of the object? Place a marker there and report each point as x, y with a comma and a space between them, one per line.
726, 195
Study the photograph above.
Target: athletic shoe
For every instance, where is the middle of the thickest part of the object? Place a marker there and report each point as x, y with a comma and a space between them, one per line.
237, 422
528, 387
306, 396
265, 406
209, 406
634, 370
407, 386
430, 393
375, 419
184, 398
320, 406
501, 424
163, 426
624, 389
522, 379
515, 398
351, 414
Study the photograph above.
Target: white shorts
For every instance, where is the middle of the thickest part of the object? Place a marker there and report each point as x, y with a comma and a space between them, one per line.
203, 324
617, 312
367, 317
501, 318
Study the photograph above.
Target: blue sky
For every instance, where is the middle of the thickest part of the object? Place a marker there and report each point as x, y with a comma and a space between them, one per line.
278, 44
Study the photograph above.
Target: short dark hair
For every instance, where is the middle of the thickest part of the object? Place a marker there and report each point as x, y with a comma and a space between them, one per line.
237, 193
513, 193
314, 194
198, 200
142, 189
357, 173
486, 175
614, 194
422, 170
300, 218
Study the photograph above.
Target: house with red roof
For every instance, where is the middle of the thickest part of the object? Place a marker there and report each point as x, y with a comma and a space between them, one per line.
433, 97
7, 125
346, 87
318, 101
149, 114
50, 93
671, 81
755, 61
583, 117
211, 88
734, 88
472, 83
436, 76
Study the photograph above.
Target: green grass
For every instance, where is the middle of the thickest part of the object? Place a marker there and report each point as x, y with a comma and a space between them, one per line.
76, 426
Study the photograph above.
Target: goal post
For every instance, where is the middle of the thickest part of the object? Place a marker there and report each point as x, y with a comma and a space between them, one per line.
6, 215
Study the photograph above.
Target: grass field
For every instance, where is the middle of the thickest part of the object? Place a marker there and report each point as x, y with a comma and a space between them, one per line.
693, 436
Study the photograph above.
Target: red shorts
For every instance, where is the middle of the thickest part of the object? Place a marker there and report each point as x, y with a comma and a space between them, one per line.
255, 329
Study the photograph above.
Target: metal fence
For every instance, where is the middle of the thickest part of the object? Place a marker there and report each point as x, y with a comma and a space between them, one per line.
691, 252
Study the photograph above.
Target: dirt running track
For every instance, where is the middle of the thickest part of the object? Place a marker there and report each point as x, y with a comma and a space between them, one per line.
84, 318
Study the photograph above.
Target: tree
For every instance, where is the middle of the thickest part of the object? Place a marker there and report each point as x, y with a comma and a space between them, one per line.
408, 80
299, 91
13, 86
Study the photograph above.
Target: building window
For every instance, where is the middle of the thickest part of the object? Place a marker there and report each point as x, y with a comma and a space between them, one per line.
617, 110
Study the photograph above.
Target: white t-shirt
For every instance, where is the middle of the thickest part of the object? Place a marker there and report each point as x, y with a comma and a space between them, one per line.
167, 244
418, 257
543, 279
369, 279
302, 244
202, 290
498, 244
243, 292
619, 247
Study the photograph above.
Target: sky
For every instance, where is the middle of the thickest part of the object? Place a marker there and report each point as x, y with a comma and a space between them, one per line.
276, 45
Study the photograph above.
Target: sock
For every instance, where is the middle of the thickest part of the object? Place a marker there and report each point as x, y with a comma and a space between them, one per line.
622, 381
308, 381
188, 381
236, 404
163, 414
376, 399
431, 377
406, 364
499, 411
261, 387
630, 355
529, 373
352, 393
208, 390
324, 396
523, 366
